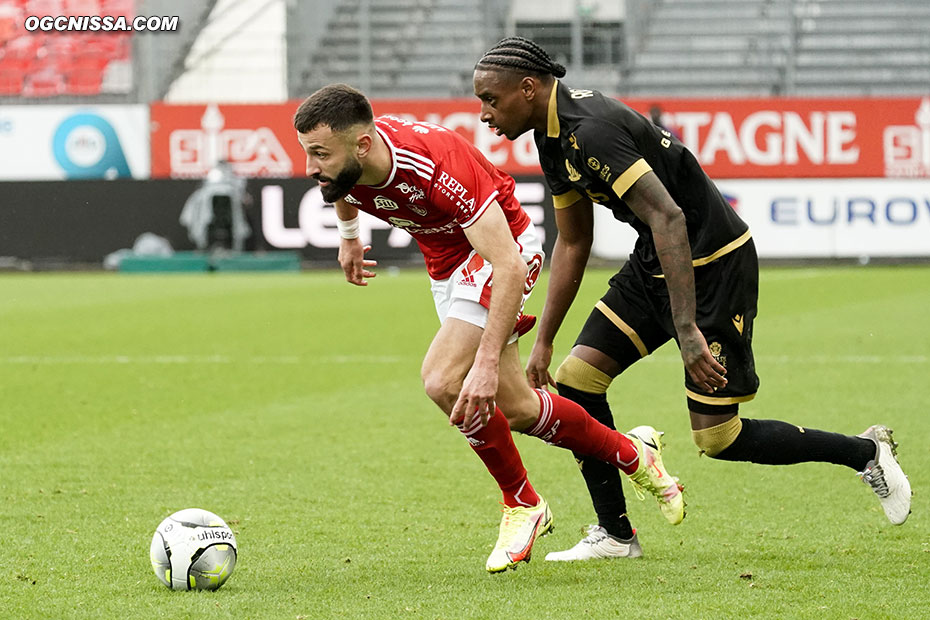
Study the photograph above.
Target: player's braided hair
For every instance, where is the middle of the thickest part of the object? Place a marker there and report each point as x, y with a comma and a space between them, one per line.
519, 54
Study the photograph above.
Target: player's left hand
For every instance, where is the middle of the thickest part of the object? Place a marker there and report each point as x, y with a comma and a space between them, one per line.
706, 372
477, 397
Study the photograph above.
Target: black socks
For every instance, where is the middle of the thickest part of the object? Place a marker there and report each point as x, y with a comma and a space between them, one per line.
602, 479
772, 442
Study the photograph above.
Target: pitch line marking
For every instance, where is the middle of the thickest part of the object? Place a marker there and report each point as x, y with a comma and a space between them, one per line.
198, 359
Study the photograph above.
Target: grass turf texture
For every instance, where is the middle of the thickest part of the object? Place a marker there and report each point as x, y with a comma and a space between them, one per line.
291, 406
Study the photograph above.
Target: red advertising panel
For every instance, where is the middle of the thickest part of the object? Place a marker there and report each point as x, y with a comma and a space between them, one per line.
259, 140
732, 138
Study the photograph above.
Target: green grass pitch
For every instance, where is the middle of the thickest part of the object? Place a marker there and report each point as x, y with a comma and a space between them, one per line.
291, 405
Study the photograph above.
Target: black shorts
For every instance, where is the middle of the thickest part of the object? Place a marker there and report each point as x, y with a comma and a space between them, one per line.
634, 318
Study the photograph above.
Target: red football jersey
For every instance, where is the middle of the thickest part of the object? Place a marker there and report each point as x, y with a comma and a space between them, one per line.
439, 185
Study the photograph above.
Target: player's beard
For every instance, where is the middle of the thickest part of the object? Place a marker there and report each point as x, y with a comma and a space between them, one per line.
343, 183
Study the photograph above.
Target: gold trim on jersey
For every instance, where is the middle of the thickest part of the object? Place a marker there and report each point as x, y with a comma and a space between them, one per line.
697, 262
724, 250
566, 200
552, 127
622, 326
630, 175
719, 400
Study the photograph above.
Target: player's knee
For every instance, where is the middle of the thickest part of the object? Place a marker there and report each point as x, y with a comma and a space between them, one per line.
579, 374
715, 439
439, 388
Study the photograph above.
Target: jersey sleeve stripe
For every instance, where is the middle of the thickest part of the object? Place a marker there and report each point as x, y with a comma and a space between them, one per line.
427, 169
566, 200
416, 156
406, 160
415, 170
630, 176
481, 210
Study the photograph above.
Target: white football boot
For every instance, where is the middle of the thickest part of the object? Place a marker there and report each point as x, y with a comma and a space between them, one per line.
885, 476
599, 545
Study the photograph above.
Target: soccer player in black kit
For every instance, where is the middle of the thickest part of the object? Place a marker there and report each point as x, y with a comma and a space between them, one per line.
692, 277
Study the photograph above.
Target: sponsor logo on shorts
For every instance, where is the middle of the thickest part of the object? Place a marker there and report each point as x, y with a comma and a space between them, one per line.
738, 323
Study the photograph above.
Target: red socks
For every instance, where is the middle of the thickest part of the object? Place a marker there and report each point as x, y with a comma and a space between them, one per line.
494, 445
566, 424
561, 423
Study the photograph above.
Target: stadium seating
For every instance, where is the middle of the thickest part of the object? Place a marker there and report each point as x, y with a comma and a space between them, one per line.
63, 63
418, 47
857, 47
782, 47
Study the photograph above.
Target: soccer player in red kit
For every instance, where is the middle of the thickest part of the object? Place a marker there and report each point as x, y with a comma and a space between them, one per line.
461, 210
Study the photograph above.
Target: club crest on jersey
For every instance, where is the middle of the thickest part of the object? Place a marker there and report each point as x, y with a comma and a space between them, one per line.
352, 200
418, 210
573, 175
413, 191
593, 164
385, 203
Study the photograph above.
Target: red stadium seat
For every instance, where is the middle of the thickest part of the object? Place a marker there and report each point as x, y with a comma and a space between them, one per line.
11, 20
46, 65
126, 8
82, 7
62, 46
15, 63
45, 7
11, 82
25, 46
84, 82
47, 83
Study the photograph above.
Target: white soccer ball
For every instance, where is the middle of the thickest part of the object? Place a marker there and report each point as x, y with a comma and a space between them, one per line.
193, 549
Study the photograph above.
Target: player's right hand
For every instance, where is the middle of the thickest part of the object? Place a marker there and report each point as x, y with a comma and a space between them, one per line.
537, 366
353, 262
706, 372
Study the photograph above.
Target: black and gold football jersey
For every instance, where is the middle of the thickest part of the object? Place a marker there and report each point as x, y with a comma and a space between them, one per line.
598, 147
